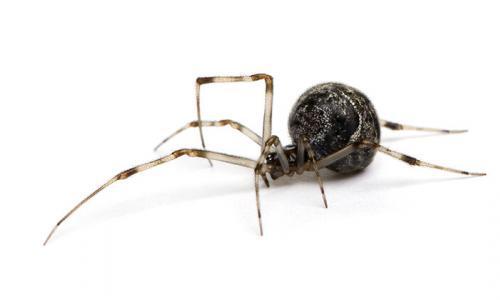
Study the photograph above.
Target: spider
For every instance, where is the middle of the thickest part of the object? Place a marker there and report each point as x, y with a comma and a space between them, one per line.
332, 126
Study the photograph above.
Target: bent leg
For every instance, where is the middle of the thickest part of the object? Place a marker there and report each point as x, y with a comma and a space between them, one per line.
268, 106
238, 126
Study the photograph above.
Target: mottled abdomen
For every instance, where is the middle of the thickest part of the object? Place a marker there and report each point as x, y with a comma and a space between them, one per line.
332, 116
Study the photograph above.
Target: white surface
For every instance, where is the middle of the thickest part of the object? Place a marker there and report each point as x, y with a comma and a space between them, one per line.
88, 89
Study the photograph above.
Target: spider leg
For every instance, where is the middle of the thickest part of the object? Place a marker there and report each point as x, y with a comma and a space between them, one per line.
275, 142
266, 181
303, 143
325, 161
260, 170
416, 162
238, 126
398, 126
400, 156
232, 159
266, 134
257, 201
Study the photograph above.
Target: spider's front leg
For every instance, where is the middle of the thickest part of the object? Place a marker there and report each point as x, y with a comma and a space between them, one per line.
238, 126
232, 159
260, 169
266, 132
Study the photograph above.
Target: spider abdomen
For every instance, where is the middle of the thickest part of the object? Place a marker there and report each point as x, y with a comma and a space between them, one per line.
331, 116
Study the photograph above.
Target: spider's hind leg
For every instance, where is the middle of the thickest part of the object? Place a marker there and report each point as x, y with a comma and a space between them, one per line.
397, 155
416, 162
398, 126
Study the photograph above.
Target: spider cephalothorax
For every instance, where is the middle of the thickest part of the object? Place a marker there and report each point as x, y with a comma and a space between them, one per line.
274, 167
332, 126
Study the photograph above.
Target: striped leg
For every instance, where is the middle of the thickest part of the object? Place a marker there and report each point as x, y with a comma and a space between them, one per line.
260, 169
266, 134
400, 156
238, 126
397, 126
416, 162
325, 161
236, 160
303, 143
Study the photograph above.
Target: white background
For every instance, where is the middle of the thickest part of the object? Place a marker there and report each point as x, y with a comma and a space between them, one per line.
88, 88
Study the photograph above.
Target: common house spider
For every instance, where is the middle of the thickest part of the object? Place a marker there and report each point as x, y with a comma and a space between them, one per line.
332, 126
